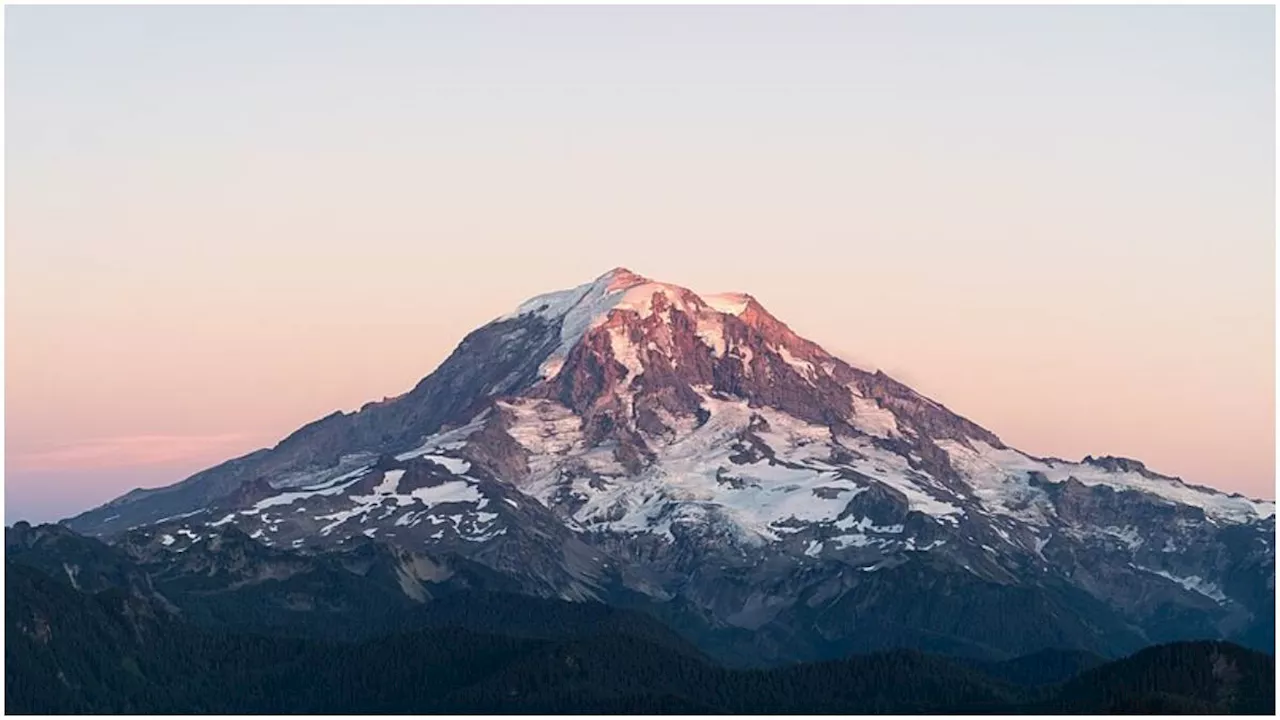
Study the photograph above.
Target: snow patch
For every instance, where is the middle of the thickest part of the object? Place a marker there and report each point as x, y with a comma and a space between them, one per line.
451, 440
859, 540
694, 480
804, 367
390, 481
1194, 583
1002, 476
711, 332
1129, 536
331, 487
454, 491
625, 352
178, 517
580, 309
865, 524
728, 303
577, 310
872, 419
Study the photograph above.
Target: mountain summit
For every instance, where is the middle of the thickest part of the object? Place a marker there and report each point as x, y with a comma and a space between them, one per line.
632, 441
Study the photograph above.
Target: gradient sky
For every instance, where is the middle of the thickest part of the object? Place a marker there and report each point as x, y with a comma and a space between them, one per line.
224, 222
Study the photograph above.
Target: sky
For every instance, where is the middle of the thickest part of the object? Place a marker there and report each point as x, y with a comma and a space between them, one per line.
224, 222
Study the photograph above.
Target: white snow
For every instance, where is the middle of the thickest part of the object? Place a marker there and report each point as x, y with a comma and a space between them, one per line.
917, 497
331, 487
390, 481
462, 490
454, 491
860, 540
1000, 477
553, 434
727, 303
179, 517
1194, 583
640, 298
456, 466
578, 310
322, 478
558, 303
804, 367
694, 481
167, 540
480, 529
711, 332
625, 352
865, 524
587, 306
387, 497
1128, 535
1041, 543
386, 490
872, 419
450, 440
341, 517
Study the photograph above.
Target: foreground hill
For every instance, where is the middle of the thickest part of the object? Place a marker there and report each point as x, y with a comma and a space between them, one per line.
68, 651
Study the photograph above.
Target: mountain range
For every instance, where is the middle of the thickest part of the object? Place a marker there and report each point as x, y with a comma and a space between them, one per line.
634, 445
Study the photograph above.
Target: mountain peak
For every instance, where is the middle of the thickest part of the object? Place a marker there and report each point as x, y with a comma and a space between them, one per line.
581, 309
624, 289
629, 438
620, 278
730, 303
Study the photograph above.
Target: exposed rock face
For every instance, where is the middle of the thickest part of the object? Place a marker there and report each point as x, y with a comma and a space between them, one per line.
635, 442
923, 415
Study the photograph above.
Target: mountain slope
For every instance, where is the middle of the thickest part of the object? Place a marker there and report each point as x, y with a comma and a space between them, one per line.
1200, 678
636, 443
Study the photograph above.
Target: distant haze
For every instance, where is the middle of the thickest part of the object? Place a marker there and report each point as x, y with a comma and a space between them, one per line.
224, 222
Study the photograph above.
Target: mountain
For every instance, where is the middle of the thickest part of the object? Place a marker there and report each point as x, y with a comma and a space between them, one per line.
634, 443
70, 651
1046, 667
1183, 678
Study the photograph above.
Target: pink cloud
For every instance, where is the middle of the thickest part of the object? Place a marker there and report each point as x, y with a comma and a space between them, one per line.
131, 451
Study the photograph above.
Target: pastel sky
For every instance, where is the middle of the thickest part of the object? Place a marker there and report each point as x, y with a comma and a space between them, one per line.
224, 222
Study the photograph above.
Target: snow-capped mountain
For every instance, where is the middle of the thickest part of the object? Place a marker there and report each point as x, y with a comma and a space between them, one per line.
634, 442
